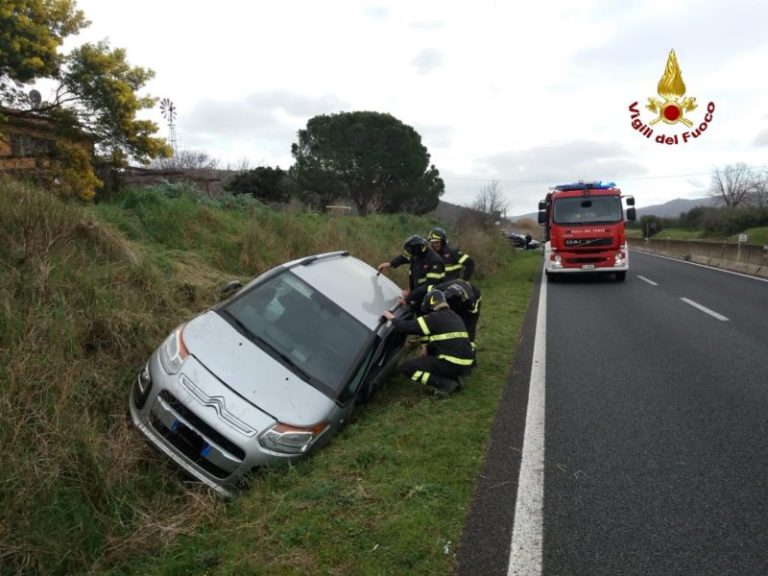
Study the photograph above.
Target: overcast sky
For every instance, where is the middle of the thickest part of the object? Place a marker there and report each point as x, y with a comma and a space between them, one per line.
525, 94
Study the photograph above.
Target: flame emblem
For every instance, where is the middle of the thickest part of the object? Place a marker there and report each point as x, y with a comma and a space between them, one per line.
672, 89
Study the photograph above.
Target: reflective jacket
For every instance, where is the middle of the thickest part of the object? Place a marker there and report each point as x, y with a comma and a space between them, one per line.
455, 262
444, 333
427, 269
464, 304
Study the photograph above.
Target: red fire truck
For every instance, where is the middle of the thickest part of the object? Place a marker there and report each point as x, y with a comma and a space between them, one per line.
584, 229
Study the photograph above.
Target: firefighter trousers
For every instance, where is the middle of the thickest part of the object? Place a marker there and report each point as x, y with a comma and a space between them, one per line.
432, 371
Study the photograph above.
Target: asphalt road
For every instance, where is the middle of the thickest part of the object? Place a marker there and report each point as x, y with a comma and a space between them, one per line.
655, 431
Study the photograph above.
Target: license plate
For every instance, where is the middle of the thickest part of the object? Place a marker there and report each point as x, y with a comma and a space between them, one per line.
588, 267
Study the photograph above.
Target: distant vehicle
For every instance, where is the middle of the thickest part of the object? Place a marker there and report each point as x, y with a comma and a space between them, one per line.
519, 240
270, 374
584, 224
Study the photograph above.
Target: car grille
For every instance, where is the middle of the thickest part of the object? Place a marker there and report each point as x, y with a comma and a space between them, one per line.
203, 428
189, 443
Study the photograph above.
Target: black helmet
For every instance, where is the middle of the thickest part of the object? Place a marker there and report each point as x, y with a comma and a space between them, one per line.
432, 299
414, 246
455, 290
437, 235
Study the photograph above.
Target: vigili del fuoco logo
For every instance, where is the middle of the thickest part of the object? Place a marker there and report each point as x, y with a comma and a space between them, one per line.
671, 109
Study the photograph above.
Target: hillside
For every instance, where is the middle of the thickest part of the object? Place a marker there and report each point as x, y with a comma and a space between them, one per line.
671, 209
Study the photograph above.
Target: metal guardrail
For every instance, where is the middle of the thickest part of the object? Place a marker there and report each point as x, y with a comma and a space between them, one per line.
749, 259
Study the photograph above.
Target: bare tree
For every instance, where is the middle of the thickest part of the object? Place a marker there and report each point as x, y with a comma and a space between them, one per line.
491, 200
187, 160
759, 192
732, 185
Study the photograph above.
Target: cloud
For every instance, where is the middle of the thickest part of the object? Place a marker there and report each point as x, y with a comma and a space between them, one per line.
435, 136
260, 115
567, 161
761, 139
377, 12
427, 60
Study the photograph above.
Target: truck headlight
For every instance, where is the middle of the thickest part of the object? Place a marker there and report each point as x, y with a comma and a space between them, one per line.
173, 351
289, 439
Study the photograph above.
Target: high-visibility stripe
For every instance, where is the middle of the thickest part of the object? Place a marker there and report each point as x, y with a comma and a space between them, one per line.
425, 377
463, 258
454, 360
423, 324
477, 305
416, 375
453, 267
448, 336
436, 275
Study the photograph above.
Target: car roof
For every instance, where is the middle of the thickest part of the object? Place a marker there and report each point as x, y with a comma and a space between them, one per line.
349, 282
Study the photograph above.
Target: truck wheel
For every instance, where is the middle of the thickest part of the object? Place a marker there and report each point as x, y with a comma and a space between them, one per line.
621, 276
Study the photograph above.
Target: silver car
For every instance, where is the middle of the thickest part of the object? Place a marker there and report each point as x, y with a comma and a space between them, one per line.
270, 374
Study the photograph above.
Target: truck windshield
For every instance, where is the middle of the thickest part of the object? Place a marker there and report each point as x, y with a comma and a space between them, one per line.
588, 210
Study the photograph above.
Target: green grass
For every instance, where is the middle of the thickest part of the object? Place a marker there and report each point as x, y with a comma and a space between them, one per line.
87, 292
389, 494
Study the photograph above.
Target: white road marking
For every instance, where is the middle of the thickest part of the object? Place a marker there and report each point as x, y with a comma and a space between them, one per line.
525, 554
705, 309
644, 279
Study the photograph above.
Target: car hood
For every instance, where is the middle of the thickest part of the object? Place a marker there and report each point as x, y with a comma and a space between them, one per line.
253, 374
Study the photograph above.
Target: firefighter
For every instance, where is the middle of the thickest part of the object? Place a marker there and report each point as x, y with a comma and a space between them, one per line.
457, 264
426, 267
463, 297
447, 354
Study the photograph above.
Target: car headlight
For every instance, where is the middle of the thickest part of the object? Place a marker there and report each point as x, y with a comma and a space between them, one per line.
142, 387
289, 439
173, 351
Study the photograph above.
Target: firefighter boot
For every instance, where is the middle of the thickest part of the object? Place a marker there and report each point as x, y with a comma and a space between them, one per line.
444, 387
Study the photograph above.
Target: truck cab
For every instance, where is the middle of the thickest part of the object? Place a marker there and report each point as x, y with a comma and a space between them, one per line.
584, 229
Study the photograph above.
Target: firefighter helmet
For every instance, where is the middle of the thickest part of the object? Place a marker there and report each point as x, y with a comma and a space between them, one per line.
414, 246
437, 234
432, 300
455, 290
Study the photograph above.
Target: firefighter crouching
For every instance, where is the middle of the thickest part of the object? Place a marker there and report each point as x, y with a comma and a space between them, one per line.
448, 353
463, 297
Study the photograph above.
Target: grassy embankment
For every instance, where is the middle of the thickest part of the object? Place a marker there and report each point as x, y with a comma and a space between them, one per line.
87, 292
754, 235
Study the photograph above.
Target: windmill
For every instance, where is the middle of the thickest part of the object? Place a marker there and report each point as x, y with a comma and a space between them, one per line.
168, 110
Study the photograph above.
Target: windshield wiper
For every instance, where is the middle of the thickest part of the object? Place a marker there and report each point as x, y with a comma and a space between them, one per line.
269, 347
239, 324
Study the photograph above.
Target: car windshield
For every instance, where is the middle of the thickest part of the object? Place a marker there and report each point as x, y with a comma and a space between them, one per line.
287, 317
588, 210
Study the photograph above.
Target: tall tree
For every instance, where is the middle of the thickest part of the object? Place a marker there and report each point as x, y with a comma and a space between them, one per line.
380, 161
264, 183
97, 91
732, 185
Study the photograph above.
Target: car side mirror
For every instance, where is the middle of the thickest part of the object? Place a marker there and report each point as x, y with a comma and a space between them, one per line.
230, 288
631, 214
542, 216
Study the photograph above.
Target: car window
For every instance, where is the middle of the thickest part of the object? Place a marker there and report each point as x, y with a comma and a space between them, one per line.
298, 322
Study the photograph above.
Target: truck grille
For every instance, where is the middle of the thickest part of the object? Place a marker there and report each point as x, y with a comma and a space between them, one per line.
587, 242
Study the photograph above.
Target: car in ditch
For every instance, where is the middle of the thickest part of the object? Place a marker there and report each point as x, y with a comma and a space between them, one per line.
271, 373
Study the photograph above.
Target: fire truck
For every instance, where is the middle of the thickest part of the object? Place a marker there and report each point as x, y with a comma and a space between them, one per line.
584, 229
